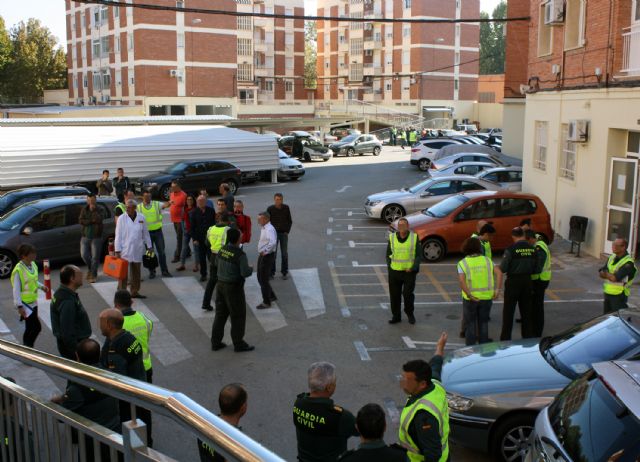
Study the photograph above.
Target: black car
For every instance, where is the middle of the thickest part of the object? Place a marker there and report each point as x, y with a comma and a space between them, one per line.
52, 227
17, 197
193, 176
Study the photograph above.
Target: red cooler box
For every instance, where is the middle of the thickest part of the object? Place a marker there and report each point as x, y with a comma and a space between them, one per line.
115, 267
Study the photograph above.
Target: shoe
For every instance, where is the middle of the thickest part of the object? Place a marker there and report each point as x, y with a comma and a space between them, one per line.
180, 268
285, 276
394, 320
166, 274
263, 306
175, 260
519, 321
203, 278
138, 296
152, 275
412, 319
219, 346
274, 299
242, 348
207, 308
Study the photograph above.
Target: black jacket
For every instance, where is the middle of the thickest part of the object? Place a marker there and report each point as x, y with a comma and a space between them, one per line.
69, 320
280, 218
375, 451
201, 221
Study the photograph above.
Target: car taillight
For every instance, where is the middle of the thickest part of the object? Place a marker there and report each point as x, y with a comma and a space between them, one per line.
415, 150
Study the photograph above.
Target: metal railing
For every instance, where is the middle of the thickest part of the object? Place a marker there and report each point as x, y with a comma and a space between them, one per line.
631, 50
375, 112
37, 429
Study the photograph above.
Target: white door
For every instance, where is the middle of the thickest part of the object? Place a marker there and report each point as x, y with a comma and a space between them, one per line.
621, 209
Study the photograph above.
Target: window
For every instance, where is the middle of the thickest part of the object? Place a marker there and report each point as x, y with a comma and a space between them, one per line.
117, 44
49, 219
85, 81
132, 80
514, 207
106, 78
288, 86
130, 35
244, 23
485, 208
377, 36
457, 57
244, 47
95, 48
268, 85
407, 3
104, 47
116, 11
179, 4
406, 30
288, 38
356, 46
288, 63
118, 78
457, 30
442, 188
356, 25
574, 24
469, 186
180, 40
540, 148
406, 57
544, 34
387, 87
83, 21
567, 168
456, 84
245, 72
75, 82
355, 72
326, 88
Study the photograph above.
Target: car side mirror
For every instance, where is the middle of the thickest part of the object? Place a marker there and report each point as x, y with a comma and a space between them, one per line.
27, 231
426, 194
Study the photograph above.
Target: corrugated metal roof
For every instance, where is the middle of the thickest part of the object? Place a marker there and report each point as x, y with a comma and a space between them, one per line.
105, 120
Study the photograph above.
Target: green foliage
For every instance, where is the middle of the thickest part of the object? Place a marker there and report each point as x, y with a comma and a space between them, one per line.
492, 43
310, 55
30, 61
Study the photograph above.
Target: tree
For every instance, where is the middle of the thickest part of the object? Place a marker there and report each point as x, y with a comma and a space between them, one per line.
310, 55
5, 45
492, 43
35, 63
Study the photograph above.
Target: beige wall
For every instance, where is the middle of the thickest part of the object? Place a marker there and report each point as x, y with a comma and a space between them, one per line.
513, 126
611, 112
488, 115
91, 111
190, 103
60, 97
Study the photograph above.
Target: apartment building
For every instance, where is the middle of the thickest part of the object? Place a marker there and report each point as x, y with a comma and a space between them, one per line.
181, 63
425, 68
581, 146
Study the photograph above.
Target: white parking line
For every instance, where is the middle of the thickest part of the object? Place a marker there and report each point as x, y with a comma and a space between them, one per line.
163, 344
415, 343
362, 351
271, 318
307, 282
392, 410
500, 302
353, 244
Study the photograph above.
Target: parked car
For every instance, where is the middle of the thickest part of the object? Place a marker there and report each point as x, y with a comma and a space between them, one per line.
496, 390
443, 227
467, 157
391, 205
507, 177
492, 131
249, 177
595, 418
327, 139
423, 152
51, 225
17, 197
310, 148
193, 175
357, 144
290, 168
468, 128
462, 168
342, 132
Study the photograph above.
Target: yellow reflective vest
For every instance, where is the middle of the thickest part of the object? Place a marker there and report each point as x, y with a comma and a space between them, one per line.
478, 273
140, 327
403, 253
152, 215
545, 274
620, 287
217, 237
28, 281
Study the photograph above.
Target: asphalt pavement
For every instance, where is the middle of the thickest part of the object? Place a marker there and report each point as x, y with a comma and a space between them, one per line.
333, 308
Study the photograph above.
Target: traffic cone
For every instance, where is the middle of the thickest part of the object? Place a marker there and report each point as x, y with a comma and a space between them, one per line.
47, 279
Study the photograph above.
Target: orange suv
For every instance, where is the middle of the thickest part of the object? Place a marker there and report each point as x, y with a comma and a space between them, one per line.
443, 227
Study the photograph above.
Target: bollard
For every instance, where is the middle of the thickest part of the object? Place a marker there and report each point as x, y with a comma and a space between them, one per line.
47, 279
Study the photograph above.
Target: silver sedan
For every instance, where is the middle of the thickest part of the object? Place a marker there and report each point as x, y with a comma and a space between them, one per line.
507, 177
462, 168
391, 205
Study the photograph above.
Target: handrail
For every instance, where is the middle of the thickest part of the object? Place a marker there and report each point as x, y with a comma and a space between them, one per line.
229, 441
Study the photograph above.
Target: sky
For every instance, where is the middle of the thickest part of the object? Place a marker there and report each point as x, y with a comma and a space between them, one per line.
51, 12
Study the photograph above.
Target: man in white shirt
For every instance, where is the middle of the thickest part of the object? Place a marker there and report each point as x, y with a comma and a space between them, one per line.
266, 249
132, 239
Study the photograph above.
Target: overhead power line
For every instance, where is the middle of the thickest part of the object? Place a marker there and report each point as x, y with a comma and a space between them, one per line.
147, 6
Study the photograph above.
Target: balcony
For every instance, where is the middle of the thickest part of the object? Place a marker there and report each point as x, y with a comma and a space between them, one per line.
262, 46
261, 22
631, 50
369, 44
263, 70
343, 46
372, 69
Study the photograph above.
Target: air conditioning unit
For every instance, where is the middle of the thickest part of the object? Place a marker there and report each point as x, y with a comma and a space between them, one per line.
578, 131
554, 12
555, 69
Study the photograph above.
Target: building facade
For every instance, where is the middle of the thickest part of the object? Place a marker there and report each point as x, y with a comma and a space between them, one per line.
399, 64
581, 126
181, 63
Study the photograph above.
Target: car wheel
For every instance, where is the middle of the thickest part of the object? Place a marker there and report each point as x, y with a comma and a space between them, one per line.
326, 160
392, 212
511, 438
307, 157
351, 152
165, 192
376, 151
433, 249
7, 262
233, 186
424, 164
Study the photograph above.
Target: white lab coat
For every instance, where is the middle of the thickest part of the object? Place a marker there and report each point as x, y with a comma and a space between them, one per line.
132, 237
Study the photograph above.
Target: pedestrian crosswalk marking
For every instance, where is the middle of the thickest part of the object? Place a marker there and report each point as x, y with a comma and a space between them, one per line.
270, 319
163, 344
189, 293
307, 282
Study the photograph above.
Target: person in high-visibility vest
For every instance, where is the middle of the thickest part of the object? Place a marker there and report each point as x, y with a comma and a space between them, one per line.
424, 421
216, 238
486, 235
24, 280
618, 275
394, 136
477, 282
403, 260
540, 280
152, 211
413, 137
121, 207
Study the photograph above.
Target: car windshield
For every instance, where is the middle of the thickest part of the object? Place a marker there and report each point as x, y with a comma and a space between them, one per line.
176, 168
5, 201
445, 207
591, 424
419, 186
574, 351
350, 138
16, 218
314, 142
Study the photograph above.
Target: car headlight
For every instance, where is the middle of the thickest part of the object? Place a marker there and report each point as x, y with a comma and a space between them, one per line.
372, 203
151, 185
459, 403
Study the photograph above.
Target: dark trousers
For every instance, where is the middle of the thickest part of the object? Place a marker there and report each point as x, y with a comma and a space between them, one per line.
265, 263
476, 321
402, 284
283, 242
211, 283
230, 303
517, 291
204, 253
178, 228
537, 306
32, 328
157, 241
614, 302
66, 352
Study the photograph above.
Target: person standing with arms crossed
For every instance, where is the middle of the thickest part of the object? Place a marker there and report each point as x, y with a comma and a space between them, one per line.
24, 280
202, 218
281, 220
403, 260
266, 250
618, 275
242, 221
